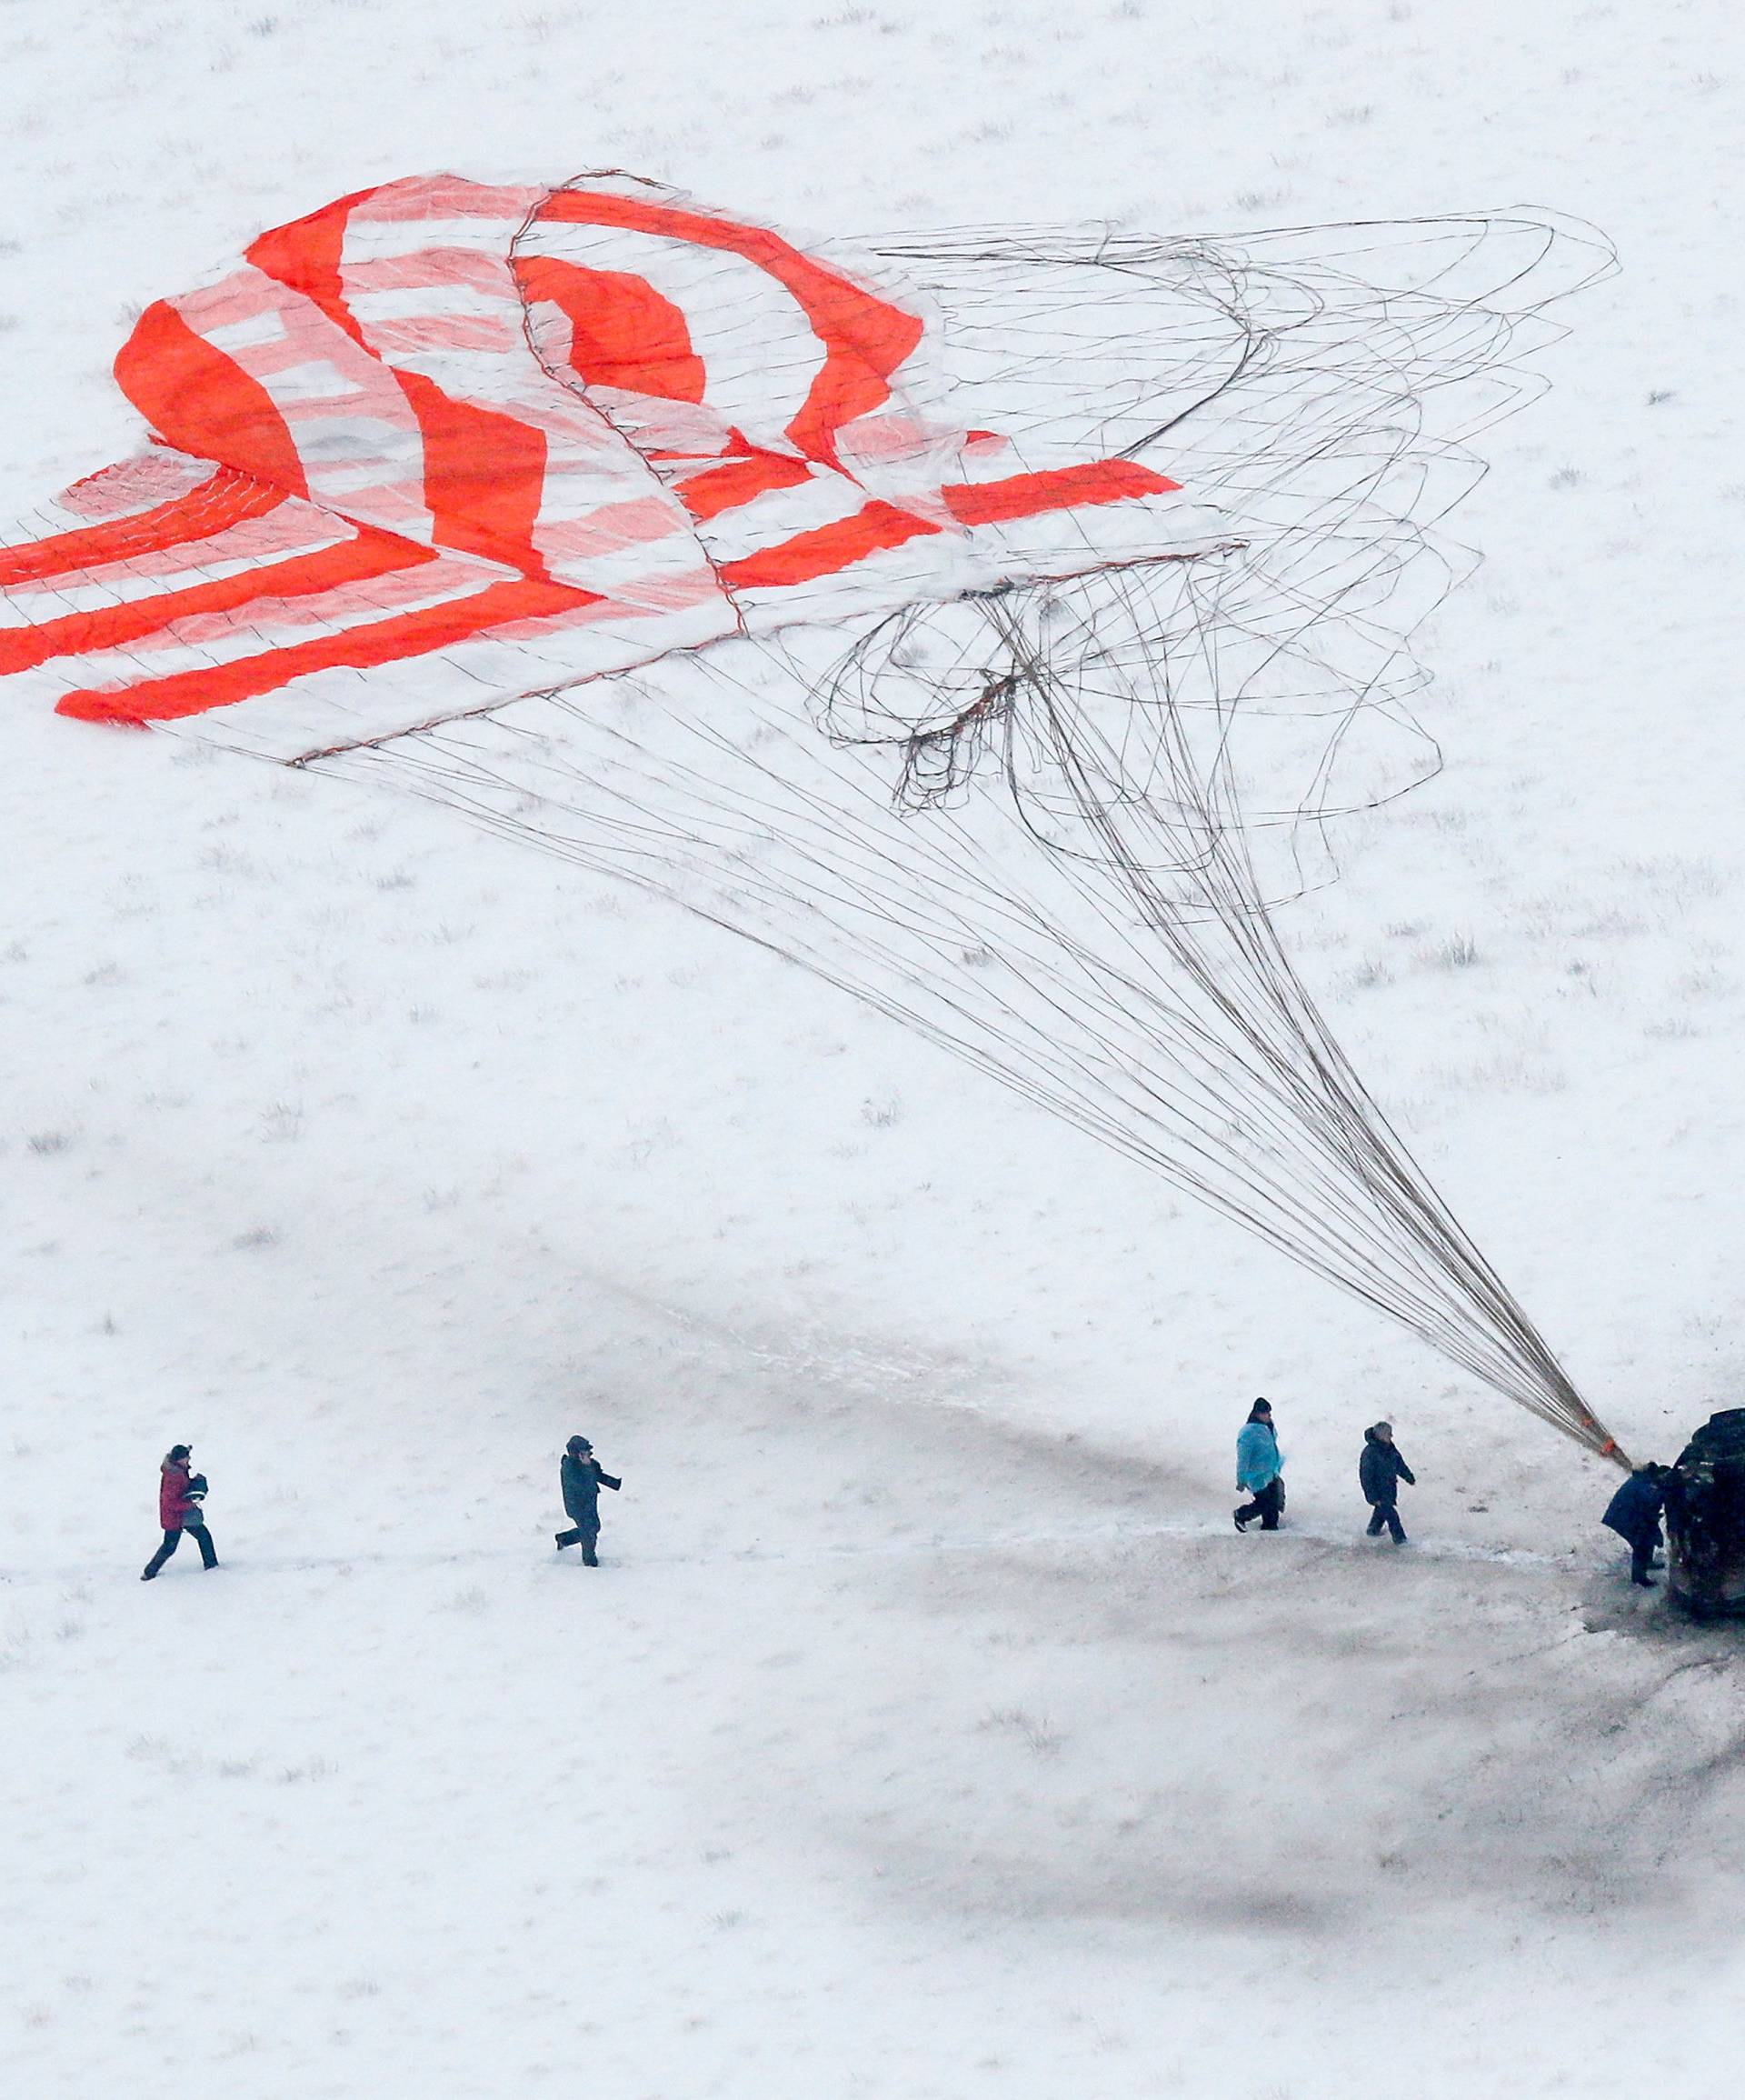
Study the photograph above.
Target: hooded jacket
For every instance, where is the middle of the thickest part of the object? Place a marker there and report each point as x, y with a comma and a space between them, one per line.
174, 1505
1381, 1470
1635, 1509
581, 1480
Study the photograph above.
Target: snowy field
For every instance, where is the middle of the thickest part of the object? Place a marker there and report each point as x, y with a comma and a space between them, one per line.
928, 1731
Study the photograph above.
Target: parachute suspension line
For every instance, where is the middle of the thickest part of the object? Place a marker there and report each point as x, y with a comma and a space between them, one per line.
881, 900
1327, 1097
1045, 826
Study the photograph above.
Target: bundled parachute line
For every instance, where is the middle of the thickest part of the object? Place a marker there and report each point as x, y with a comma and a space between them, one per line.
992, 622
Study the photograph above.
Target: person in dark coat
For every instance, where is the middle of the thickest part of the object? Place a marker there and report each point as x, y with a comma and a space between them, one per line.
180, 1493
581, 1478
1379, 1470
1260, 1470
1634, 1514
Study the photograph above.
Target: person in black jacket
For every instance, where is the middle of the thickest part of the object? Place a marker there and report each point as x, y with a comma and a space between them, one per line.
1634, 1514
1379, 1470
581, 1478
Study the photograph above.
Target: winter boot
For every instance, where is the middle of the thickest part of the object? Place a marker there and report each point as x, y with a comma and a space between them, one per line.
589, 1557
1239, 1520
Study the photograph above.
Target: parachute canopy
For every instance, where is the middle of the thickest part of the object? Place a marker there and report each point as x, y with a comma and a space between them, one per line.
441, 444
987, 622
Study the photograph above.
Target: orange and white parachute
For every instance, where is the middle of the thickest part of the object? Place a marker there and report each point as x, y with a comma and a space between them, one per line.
988, 620
441, 444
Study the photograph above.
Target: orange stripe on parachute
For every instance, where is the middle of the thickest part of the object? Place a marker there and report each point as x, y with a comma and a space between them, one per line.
720, 488
976, 503
485, 476
622, 332
204, 403
360, 648
226, 499
368, 553
826, 551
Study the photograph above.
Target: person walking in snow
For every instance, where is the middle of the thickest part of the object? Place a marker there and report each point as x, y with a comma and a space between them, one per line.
1379, 1470
1260, 1470
180, 1493
581, 1478
1634, 1514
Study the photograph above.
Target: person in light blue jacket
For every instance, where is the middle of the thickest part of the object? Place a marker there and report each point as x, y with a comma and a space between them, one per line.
1260, 1470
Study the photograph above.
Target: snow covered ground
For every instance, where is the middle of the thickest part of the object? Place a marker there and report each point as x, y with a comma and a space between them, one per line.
928, 1731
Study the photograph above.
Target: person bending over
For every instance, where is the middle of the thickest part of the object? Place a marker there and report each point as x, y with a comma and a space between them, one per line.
1634, 1514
